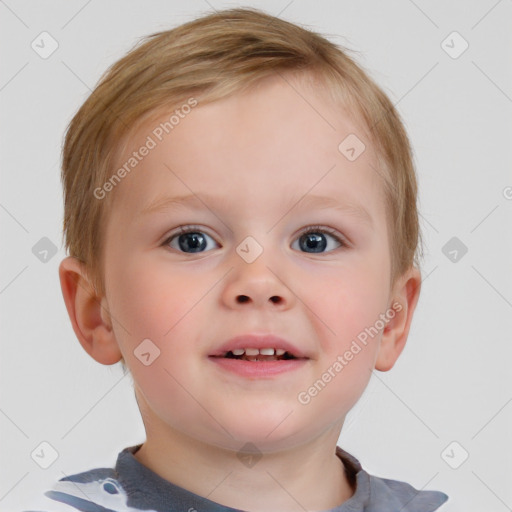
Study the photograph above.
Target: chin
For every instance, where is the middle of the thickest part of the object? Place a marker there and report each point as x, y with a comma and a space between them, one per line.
269, 430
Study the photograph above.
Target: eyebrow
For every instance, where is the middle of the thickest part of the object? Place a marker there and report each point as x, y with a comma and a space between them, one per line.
167, 203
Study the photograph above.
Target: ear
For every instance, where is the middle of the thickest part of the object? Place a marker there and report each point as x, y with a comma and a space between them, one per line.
405, 297
88, 313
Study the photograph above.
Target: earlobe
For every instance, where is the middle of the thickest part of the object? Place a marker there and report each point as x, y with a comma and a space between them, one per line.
394, 336
88, 313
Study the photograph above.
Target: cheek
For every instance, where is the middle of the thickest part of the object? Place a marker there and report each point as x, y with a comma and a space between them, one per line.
345, 301
151, 301
346, 307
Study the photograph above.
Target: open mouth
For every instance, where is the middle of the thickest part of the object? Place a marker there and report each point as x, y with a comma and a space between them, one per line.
255, 354
259, 363
259, 354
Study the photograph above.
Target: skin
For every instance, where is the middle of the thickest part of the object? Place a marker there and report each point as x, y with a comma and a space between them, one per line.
258, 153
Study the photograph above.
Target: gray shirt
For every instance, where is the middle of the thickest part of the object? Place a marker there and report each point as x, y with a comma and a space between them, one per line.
131, 487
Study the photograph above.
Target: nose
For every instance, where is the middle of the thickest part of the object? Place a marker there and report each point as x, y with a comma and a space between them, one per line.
257, 284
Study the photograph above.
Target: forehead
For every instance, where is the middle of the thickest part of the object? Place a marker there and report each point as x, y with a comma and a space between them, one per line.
274, 143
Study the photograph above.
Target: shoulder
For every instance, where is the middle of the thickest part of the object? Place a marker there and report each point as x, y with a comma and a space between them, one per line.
93, 490
387, 494
377, 494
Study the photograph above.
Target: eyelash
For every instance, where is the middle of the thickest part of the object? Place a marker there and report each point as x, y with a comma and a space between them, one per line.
183, 230
329, 231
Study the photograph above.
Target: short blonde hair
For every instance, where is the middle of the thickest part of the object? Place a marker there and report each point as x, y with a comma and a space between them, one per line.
211, 58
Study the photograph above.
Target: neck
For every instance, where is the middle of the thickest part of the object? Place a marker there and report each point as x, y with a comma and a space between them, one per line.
306, 477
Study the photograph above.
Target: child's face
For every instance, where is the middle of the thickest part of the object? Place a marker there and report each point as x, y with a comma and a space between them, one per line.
260, 158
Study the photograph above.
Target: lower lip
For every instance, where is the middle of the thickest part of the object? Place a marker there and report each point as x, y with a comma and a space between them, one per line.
258, 369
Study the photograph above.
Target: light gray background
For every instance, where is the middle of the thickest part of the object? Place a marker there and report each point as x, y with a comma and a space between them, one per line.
453, 380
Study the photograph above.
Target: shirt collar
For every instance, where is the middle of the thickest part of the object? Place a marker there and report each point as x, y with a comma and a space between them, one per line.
147, 490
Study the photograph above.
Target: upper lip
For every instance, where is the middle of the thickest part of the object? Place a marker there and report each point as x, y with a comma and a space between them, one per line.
258, 341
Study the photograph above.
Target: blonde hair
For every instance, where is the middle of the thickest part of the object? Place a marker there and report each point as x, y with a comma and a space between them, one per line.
211, 58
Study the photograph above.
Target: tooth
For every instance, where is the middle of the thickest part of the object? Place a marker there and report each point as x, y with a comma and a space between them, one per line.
251, 352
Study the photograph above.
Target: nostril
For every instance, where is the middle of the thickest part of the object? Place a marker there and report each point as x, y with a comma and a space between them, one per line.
243, 298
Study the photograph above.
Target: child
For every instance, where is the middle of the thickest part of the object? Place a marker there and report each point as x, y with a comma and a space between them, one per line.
240, 214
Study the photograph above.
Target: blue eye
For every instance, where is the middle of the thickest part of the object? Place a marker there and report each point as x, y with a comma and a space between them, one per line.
189, 239
314, 238
192, 240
